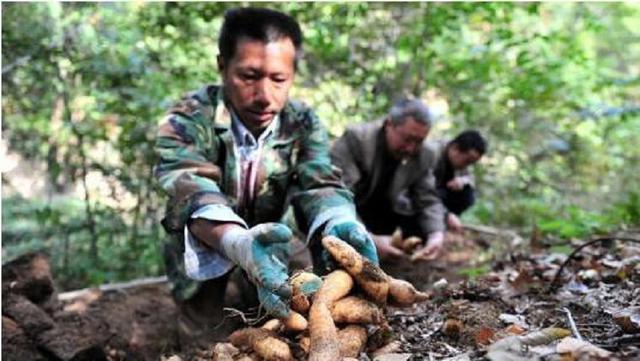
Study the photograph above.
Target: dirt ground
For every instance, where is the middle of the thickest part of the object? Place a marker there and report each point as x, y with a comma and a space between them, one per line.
464, 316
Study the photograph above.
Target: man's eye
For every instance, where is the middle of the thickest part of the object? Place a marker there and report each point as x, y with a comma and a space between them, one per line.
279, 79
249, 76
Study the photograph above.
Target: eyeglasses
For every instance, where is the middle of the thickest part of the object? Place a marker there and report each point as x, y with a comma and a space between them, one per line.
408, 138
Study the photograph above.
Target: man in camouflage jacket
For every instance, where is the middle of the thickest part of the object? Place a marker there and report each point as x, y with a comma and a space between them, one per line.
232, 158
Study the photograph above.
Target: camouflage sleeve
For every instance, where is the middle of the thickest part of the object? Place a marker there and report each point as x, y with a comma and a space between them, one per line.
431, 210
322, 194
186, 168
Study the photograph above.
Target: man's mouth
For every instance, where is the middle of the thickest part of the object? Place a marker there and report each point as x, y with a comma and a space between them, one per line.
262, 116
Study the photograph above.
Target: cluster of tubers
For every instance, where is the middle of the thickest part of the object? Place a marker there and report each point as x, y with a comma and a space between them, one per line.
407, 245
339, 323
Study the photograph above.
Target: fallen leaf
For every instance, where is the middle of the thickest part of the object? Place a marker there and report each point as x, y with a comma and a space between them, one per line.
440, 284
393, 357
511, 348
484, 336
589, 276
577, 287
579, 348
628, 319
544, 336
515, 330
513, 319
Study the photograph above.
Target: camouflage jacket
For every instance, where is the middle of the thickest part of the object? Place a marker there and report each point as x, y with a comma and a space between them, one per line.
198, 166
412, 190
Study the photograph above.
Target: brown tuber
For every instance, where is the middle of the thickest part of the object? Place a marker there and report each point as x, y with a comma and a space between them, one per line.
410, 244
273, 324
353, 339
303, 285
300, 303
368, 275
263, 342
322, 329
356, 310
336, 285
402, 293
295, 322
323, 334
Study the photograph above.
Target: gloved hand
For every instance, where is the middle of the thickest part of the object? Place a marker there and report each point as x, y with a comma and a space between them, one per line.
355, 234
263, 252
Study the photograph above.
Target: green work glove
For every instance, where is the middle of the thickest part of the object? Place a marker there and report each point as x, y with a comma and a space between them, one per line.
263, 253
355, 234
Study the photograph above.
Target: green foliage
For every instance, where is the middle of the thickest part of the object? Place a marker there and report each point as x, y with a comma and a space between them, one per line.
561, 220
59, 228
556, 87
474, 272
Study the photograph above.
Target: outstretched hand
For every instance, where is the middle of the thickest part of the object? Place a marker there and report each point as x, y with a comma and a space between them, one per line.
263, 252
356, 235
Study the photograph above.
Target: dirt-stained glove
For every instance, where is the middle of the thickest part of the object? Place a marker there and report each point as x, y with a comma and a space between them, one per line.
263, 252
355, 234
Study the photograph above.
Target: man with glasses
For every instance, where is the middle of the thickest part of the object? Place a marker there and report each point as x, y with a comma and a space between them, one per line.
390, 171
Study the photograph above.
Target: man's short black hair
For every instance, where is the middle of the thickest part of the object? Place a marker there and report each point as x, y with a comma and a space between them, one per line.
265, 25
470, 139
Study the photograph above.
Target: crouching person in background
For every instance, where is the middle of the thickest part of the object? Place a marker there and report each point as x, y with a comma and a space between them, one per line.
454, 177
389, 168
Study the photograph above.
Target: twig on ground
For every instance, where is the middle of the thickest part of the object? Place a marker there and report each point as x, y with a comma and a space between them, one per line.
552, 286
624, 339
572, 323
515, 238
451, 348
149, 281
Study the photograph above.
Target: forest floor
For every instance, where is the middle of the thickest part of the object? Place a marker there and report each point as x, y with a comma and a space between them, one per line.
487, 289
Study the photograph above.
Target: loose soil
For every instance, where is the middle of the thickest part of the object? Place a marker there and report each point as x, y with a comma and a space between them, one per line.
140, 323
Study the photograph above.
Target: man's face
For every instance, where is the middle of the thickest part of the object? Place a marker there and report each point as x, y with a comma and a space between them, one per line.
404, 140
460, 159
257, 80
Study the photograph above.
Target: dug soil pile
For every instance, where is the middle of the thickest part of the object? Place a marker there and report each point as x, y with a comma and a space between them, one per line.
596, 297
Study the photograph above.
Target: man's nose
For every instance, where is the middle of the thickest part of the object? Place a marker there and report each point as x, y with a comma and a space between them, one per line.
261, 92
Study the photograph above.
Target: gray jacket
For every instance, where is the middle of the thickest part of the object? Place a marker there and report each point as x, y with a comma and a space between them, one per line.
412, 191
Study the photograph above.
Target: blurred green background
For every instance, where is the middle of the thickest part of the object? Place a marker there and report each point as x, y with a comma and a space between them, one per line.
556, 87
